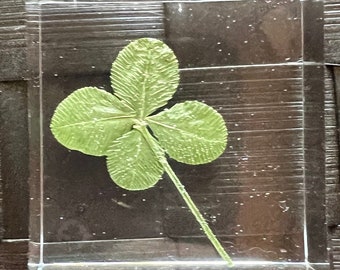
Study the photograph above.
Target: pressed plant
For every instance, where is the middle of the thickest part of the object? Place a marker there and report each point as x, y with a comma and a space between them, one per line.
136, 142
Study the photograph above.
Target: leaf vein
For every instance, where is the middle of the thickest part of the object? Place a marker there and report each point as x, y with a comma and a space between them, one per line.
91, 121
189, 134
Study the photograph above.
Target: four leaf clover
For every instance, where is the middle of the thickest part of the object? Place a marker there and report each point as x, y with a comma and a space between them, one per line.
123, 127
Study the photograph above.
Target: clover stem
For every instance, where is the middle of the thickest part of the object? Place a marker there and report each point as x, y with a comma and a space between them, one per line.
200, 219
185, 195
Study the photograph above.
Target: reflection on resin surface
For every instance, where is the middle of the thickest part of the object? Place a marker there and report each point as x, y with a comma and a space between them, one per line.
225, 33
233, 57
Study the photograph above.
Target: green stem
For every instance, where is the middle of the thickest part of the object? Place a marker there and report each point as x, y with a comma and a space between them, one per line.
200, 219
185, 195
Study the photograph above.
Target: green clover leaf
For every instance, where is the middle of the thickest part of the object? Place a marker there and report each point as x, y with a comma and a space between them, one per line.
144, 77
89, 120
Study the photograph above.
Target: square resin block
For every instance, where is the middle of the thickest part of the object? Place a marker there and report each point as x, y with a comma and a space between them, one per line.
258, 63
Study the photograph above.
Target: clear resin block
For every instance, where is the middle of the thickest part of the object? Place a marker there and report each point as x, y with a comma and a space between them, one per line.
258, 63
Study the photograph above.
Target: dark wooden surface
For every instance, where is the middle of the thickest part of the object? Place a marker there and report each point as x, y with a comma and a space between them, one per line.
14, 149
332, 31
332, 176
13, 40
13, 137
14, 152
13, 256
332, 58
